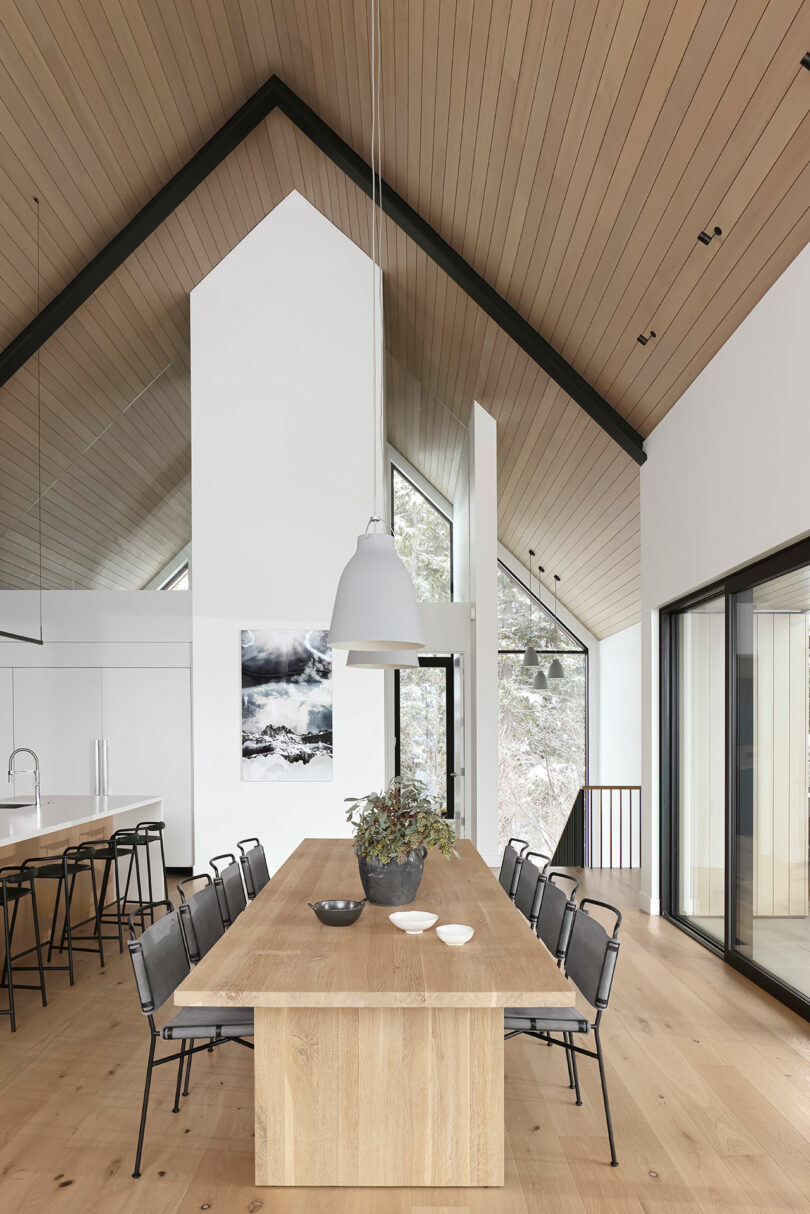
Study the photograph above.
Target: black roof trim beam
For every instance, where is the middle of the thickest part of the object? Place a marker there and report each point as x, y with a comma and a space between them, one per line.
274, 93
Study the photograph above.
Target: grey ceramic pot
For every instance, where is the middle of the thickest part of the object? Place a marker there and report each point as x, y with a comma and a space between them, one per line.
394, 884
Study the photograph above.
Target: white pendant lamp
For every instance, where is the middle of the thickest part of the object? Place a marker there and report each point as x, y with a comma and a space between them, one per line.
383, 659
375, 605
555, 670
540, 682
530, 657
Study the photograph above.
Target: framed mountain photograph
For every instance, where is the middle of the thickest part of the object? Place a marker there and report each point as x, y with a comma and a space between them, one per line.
286, 705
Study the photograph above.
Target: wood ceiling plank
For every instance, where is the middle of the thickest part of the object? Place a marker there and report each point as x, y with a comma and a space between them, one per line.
674, 217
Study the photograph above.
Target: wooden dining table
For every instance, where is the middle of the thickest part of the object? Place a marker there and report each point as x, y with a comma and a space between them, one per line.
379, 1056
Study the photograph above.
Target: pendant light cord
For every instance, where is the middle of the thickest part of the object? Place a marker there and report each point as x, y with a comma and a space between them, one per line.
376, 285
39, 417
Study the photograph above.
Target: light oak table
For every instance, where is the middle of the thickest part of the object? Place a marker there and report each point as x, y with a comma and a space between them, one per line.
379, 1056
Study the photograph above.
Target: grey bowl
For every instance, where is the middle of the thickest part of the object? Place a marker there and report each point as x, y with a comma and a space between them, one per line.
338, 912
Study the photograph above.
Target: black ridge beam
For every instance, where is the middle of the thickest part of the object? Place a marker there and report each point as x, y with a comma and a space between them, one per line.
462, 273
255, 110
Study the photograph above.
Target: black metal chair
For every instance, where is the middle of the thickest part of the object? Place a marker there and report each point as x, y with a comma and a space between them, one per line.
510, 866
229, 887
530, 885
65, 869
590, 963
160, 963
200, 916
254, 867
15, 885
556, 913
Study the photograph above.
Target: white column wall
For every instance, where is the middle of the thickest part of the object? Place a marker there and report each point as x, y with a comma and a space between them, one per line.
282, 451
725, 482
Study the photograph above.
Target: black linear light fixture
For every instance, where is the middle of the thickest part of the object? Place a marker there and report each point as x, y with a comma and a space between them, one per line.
530, 657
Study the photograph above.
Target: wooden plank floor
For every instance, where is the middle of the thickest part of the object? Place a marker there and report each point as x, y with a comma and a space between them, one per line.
709, 1077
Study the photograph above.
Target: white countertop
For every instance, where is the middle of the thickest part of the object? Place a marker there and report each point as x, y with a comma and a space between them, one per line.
19, 819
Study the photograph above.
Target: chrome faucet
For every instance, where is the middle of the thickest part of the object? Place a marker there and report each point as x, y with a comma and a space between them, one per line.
19, 771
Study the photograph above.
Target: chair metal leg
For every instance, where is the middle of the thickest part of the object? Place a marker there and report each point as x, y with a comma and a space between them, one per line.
573, 1058
7, 941
97, 910
188, 1072
11, 937
118, 906
65, 924
568, 1061
37, 942
614, 1163
145, 1106
69, 933
54, 918
176, 1108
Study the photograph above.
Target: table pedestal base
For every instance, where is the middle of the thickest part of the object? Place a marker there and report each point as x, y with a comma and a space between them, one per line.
379, 1096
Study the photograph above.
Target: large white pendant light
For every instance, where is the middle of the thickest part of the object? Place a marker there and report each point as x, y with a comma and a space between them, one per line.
555, 670
530, 657
375, 605
383, 659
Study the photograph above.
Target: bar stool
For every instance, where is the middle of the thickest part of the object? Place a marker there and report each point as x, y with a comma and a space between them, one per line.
14, 886
110, 851
141, 837
64, 869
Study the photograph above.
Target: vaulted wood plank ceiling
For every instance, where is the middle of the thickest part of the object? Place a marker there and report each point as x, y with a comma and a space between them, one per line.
571, 151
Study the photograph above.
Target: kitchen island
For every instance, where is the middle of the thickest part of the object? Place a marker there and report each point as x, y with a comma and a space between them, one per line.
64, 821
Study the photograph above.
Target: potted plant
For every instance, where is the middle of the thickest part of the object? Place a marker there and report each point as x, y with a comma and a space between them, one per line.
393, 830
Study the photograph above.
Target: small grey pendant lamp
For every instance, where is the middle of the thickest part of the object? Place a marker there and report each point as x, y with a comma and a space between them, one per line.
555, 670
530, 657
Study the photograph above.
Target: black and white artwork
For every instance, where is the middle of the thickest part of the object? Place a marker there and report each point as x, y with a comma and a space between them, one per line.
286, 705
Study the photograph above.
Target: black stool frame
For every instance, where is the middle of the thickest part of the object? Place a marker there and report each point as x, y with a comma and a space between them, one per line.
11, 887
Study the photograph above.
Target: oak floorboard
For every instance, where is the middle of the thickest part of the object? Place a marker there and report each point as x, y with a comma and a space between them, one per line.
707, 1077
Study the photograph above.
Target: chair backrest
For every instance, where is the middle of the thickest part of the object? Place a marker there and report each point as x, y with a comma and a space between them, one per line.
229, 887
590, 960
510, 865
556, 913
530, 885
254, 866
159, 961
201, 919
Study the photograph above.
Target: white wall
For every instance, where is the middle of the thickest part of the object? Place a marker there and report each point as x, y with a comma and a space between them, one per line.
475, 554
725, 482
617, 760
282, 451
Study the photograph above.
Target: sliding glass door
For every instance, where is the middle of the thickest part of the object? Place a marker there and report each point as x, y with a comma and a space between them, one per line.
735, 767
771, 924
700, 777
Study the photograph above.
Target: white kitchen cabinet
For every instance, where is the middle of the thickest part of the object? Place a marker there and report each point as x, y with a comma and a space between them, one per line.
146, 713
57, 712
6, 728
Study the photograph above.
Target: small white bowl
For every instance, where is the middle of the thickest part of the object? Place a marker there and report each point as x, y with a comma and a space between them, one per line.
413, 922
455, 934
